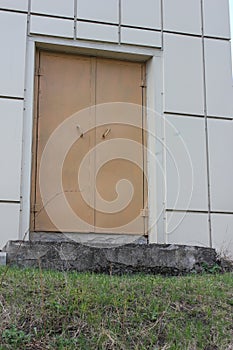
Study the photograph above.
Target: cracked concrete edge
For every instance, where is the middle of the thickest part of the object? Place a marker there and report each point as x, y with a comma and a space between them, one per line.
3, 257
131, 258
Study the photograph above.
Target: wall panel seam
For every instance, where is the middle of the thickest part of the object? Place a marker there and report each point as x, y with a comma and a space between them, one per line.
206, 126
14, 11
196, 35
8, 201
47, 15
75, 18
11, 97
119, 21
181, 114
21, 234
169, 210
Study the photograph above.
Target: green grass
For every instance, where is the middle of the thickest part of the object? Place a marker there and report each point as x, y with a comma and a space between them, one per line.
52, 310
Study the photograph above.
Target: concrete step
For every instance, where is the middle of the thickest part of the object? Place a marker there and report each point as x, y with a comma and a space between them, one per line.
165, 259
91, 239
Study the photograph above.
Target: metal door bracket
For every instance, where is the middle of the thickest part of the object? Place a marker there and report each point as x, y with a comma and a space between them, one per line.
143, 84
36, 208
144, 212
38, 72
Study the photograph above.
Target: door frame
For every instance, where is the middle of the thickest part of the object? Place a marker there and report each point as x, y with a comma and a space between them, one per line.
154, 102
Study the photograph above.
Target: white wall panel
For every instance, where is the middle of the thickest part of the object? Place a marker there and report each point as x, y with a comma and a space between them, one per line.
13, 28
94, 31
11, 117
155, 159
216, 18
186, 171
222, 234
182, 16
21, 5
183, 74
53, 7
52, 26
188, 228
101, 10
219, 83
140, 37
221, 164
138, 13
9, 222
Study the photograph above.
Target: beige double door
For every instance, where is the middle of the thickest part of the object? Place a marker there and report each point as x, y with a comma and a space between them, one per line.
98, 183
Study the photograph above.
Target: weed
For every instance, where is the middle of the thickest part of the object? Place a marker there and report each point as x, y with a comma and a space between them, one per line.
15, 337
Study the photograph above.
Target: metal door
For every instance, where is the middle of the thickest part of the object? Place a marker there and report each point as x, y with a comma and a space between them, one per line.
119, 81
65, 85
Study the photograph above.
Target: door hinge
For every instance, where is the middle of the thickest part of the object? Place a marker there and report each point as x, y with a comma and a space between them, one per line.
143, 83
144, 212
36, 208
38, 72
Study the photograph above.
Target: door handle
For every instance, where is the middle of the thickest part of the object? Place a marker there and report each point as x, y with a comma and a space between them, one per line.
81, 133
107, 131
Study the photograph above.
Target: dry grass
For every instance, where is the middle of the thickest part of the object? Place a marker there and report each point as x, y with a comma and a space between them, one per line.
51, 310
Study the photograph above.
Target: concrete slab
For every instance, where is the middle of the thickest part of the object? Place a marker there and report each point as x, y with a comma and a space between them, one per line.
167, 259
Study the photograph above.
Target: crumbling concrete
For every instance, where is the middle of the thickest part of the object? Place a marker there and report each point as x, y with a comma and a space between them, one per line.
166, 259
2, 258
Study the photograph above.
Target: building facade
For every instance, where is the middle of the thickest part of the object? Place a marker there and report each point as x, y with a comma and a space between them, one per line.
79, 80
